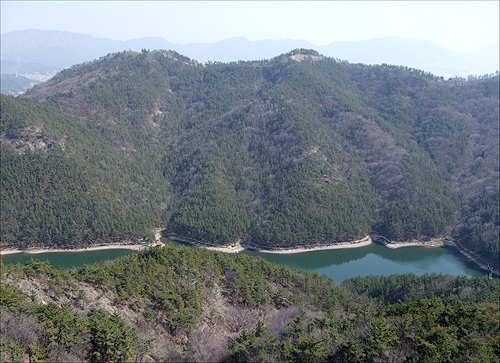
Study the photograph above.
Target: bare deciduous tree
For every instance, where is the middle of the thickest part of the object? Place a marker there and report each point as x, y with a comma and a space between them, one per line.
207, 346
237, 319
277, 320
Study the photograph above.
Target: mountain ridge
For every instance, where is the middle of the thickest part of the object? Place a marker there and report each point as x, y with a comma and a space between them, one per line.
280, 152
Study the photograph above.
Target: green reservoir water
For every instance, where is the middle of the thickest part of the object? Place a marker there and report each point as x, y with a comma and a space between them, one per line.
68, 259
337, 264
377, 260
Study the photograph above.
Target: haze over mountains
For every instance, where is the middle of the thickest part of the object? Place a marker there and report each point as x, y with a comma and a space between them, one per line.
43, 52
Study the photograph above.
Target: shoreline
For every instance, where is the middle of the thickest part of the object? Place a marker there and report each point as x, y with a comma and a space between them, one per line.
430, 243
37, 250
394, 246
439, 243
237, 247
477, 260
110, 246
338, 246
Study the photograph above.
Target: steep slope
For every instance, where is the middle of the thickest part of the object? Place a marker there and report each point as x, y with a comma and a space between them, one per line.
64, 185
297, 150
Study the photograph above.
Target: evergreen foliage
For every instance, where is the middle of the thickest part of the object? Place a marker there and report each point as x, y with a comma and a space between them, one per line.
265, 312
298, 150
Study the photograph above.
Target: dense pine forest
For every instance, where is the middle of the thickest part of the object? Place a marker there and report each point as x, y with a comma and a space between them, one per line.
298, 150
179, 304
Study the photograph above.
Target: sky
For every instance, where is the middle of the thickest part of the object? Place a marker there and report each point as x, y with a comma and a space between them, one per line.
454, 25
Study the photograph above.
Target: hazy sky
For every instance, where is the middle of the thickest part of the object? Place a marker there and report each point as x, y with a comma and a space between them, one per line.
455, 25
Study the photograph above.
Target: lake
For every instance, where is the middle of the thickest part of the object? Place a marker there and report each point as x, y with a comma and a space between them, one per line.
337, 264
377, 260
68, 259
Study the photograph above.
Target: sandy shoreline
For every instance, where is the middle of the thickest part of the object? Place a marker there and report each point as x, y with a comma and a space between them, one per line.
36, 251
431, 243
111, 246
338, 246
394, 246
237, 247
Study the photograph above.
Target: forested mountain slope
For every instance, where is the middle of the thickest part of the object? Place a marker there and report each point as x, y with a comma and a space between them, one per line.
177, 303
297, 150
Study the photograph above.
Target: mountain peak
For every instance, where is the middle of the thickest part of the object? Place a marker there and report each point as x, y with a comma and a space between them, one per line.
304, 54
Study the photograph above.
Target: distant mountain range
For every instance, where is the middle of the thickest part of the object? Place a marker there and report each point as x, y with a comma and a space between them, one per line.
43, 52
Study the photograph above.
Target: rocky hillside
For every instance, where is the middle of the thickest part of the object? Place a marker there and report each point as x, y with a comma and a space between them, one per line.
297, 150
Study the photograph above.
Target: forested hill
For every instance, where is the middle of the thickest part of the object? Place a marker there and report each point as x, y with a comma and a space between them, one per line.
297, 150
181, 304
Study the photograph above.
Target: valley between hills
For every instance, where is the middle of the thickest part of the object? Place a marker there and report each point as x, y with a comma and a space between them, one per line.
296, 151
293, 152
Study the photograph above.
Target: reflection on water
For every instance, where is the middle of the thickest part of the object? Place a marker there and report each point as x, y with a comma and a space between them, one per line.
321, 259
68, 259
338, 264
377, 260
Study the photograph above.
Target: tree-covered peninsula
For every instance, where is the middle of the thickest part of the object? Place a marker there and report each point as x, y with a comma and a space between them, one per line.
298, 150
